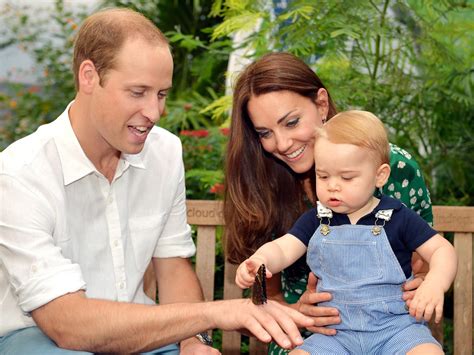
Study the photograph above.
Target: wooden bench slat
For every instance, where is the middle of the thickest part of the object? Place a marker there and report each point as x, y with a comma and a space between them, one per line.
230, 339
205, 259
205, 213
149, 282
437, 329
453, 218
257, 347
463, 295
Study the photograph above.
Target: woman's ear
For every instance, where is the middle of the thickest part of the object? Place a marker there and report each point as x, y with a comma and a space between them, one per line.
322, 103
382, 174
88, 77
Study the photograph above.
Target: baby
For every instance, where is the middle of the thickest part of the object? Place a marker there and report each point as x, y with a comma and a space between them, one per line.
360, 248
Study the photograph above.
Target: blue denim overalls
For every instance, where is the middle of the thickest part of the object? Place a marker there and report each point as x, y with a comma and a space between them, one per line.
356, 264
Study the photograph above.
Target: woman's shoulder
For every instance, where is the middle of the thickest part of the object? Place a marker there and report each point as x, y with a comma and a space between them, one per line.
406, 183
403, 165
399, 158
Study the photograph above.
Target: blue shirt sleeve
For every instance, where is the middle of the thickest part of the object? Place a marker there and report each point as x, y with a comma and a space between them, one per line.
416, 230
305, 226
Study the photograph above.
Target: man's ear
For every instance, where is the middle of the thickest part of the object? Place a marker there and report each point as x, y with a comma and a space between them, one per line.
322, 103
382, 174
88, 77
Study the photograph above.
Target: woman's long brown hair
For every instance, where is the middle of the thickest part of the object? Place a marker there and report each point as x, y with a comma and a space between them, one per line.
263, 196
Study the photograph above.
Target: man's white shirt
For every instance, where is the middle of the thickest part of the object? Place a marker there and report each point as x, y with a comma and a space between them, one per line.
64, 227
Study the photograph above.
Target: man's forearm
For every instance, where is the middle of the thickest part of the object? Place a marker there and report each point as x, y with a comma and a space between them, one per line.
177, 282
105, 326
75, 322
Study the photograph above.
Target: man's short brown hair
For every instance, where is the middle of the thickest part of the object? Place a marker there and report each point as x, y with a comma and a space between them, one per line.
102, 35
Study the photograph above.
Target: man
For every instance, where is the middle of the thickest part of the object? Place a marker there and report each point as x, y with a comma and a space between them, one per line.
87, 201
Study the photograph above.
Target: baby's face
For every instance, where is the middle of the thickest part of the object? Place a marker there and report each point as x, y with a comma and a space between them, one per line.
346, 176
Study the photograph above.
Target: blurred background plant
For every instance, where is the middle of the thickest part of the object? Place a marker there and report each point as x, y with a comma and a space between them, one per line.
49, 41
410, 62
203, 160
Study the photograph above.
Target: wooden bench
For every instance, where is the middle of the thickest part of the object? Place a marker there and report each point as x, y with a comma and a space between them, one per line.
207, 215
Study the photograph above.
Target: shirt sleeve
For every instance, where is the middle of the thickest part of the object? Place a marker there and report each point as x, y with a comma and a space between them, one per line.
37, 271
416, 230
406, 183
175, 239
305, 226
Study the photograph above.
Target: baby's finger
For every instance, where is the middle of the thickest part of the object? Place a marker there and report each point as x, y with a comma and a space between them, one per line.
252, 266
439, 312
428, 313
412, 307
420, 308
248, 278
241, 282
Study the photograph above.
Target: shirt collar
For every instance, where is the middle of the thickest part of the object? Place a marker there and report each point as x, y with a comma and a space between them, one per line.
387, 203
135, 160
75, 164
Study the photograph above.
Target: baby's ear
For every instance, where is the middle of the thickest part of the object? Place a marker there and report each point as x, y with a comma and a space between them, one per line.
383, 172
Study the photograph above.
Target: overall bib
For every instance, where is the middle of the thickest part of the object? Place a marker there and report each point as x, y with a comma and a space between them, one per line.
356, 264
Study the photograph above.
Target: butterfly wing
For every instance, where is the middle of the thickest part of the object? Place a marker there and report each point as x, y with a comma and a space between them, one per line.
259, 288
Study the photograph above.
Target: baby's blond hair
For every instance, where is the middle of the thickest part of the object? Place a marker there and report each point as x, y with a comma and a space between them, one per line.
360, 128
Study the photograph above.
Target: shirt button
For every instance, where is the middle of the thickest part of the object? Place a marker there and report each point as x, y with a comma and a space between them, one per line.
110, 199
34, 269
116, 243
122, 285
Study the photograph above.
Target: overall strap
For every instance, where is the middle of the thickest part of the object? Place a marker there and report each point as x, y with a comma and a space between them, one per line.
323, 212
385, 216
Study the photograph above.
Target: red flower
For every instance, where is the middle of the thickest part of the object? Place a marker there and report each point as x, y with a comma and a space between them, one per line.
225, 131
33, 89
195, 133
217, 188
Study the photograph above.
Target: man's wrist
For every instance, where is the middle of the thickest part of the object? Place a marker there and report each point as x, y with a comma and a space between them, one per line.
204, 338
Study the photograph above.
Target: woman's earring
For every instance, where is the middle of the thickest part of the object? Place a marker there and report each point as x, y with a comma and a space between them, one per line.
324, 120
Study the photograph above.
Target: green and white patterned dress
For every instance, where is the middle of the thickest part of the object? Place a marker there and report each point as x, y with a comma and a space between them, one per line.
406, 184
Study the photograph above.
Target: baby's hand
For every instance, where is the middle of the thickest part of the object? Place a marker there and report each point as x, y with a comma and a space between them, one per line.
429, 298
245, 275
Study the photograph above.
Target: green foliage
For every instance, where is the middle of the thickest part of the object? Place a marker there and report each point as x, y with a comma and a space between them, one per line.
408, 62
203, 160
28, 107
199, 63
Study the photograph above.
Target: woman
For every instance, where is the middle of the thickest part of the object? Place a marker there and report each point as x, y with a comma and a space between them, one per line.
278, 101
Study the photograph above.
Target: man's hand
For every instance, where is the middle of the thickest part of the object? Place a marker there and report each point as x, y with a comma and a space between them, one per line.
268, 321
322, 316
193, 346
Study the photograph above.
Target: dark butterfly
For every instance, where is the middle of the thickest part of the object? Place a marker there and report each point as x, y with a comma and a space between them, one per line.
259, 288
